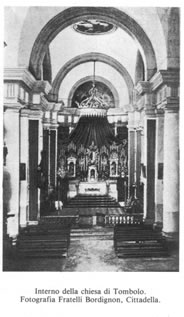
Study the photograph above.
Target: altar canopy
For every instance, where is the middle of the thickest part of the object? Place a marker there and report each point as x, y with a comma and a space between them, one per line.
92, 152
93, 129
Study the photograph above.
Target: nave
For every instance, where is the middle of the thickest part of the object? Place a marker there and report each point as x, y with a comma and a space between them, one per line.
91, 135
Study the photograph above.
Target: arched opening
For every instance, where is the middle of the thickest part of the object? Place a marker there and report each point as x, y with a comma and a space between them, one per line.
75, 14
88, 57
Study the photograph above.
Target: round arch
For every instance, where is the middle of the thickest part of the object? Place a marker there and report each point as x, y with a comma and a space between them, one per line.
97, 78
75, 14
88, 57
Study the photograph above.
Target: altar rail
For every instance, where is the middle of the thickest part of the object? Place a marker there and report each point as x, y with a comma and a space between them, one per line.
130, 219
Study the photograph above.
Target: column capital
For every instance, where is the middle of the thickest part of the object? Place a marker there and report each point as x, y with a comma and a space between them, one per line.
140, 129
131, 128
41, 86
159, 112
143, 87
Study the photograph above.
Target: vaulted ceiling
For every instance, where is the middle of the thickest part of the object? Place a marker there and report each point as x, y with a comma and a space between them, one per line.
120, 45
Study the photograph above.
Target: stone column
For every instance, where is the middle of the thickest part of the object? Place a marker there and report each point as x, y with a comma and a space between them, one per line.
151, 129
40, 149
144, 104
138, 159
165, 87
131, 157
171, 171
159, 168
50, 137
149, 159
52, 158
24, 161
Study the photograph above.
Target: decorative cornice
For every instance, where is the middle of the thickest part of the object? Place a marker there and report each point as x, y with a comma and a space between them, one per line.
165, 77
69, 111
35, 113
50, 106
23, 75
14, 107
32, 113
19, 74
150, 113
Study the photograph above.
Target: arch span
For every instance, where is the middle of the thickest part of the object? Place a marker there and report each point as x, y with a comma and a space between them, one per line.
75, 14
88, 57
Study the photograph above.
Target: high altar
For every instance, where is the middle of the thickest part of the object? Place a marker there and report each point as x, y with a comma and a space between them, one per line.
93, 170
93, 158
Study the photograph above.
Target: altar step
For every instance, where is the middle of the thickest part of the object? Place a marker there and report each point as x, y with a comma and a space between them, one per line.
83, 201
98, 233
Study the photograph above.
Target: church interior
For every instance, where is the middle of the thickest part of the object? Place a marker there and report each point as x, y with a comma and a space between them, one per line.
91, 139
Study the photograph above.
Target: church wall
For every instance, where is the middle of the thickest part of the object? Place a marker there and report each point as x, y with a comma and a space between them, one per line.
13, 23
149, 20
169, 18
12, 137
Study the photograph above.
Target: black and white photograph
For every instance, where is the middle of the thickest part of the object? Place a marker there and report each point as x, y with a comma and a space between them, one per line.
91, 139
